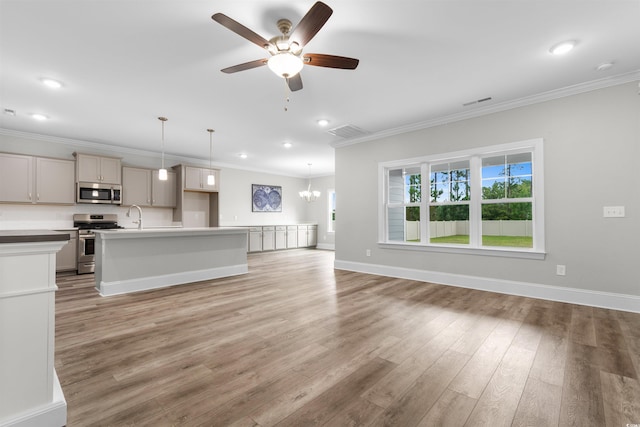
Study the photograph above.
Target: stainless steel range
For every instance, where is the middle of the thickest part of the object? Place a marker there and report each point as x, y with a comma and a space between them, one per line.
86, 224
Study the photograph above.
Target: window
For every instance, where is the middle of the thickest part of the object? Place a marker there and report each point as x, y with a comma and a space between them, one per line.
331, 219
488, 199
403, 209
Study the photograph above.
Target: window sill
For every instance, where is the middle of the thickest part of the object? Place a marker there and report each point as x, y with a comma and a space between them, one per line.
497, 252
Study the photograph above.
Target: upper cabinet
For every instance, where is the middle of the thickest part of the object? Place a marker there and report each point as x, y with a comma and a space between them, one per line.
163, 193
26, 179
195, 179
91, 168
143, 188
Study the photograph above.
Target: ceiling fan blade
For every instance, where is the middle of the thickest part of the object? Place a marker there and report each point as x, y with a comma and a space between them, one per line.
240, 29
331, 61
246, 66
311, 23
295, 82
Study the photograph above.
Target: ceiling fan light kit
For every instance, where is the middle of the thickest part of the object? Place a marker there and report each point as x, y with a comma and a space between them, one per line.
287, 58
285, 64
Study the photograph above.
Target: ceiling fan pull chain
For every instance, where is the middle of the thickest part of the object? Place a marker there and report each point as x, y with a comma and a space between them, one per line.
286, 95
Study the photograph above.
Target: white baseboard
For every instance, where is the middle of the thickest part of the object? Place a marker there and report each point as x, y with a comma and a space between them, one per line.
53, 414
534, 290
326, 246
163, 281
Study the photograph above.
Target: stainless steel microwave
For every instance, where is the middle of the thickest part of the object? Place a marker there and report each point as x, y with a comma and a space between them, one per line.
99, 193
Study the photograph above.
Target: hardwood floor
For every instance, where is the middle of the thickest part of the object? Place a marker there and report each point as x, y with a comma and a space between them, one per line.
295, 343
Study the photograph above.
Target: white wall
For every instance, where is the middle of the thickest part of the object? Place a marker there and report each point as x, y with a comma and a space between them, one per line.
234, 196
591, 152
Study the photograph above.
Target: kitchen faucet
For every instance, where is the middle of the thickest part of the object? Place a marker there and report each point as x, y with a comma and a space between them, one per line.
139, 221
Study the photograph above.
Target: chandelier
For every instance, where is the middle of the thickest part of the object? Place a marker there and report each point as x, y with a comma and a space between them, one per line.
309, 195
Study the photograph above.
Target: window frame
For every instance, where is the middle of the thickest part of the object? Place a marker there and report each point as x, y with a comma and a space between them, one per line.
474, 156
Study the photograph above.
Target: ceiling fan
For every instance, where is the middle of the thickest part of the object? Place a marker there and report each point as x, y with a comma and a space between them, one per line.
286, 58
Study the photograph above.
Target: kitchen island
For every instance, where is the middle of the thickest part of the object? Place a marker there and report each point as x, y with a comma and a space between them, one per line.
131, 260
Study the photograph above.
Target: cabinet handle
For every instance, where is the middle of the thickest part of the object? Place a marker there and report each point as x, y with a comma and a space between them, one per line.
29, 196
38, 196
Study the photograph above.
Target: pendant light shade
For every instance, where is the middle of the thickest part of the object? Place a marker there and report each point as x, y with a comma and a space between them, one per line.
211, 179
162, 172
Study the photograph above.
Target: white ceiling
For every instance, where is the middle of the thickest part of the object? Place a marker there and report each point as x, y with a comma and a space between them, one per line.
124, 63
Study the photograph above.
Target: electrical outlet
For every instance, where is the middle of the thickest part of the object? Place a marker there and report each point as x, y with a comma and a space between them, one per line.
368, 252
613, 211
561, 270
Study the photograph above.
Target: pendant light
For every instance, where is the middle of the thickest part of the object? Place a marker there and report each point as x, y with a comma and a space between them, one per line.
308, 195
211, 179
162, 172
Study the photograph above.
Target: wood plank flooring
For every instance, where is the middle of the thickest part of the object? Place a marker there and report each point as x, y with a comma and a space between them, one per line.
296, 343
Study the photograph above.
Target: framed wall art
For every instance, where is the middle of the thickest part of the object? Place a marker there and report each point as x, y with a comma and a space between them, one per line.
266, 198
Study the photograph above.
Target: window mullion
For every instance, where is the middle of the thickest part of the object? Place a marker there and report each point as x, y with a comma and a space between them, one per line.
475, 208
425, 196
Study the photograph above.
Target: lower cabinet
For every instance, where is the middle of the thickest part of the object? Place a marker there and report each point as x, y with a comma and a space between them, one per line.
292, 236
67, 257
281, 237
255, 239
269, 237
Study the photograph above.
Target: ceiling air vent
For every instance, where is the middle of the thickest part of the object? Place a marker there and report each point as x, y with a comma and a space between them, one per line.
347, 131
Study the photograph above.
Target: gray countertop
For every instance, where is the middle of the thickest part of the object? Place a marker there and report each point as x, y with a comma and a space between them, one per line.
30, 236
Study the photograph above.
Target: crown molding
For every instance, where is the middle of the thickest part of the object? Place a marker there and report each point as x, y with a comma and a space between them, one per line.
118, 151
498, 107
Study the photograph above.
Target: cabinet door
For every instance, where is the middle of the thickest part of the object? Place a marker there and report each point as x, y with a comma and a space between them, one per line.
255, 239
302, 236
312, 235
66, 258
192, 178
268, 238
55, 181
16, 178
292, 236
136, 188
110, 171
281, 237
163, 193
88, 168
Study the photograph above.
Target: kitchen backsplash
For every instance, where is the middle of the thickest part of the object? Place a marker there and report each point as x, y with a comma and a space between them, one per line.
51, 217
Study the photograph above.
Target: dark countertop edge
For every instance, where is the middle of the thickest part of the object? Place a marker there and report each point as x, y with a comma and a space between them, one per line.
32, 236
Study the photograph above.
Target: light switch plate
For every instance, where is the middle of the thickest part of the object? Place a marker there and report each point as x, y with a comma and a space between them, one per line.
613, 211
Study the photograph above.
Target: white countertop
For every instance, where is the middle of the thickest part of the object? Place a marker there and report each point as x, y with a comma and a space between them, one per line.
129, 233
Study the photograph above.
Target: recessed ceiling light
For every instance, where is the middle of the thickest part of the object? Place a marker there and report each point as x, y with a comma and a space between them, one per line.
604, 66
242, 155
287, 145
39, 116
323, 122
53, 84
562, 48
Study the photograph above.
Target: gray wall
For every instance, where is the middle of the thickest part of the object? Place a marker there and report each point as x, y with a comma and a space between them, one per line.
591, 154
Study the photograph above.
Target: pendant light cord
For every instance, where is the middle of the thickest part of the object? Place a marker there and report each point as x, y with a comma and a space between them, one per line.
210, 147
162, 119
